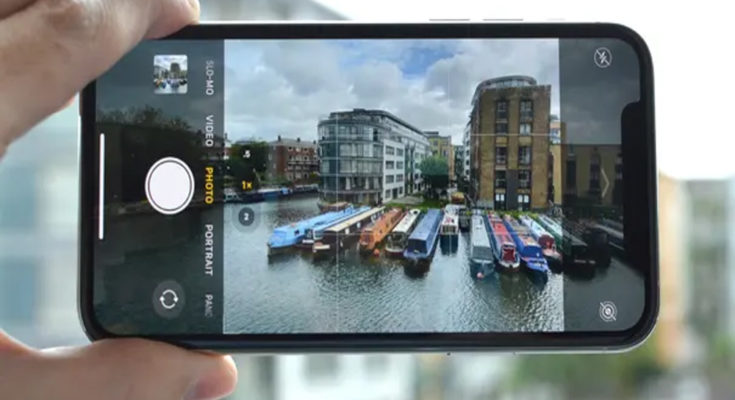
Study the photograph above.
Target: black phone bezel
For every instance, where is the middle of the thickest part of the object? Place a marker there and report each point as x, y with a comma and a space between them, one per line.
640, 209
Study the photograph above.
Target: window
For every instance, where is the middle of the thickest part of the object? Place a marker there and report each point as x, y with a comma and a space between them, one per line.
595, 173
387, 194
501, 110
399, 152
525, 129
389, 178
400, 191
501, 128
524, 202
499, 201
389, 150
524, 155
501, 155
526, 110
399, 178
619, 167
500, 179
571, 174
524, 179
389, 164
399, 164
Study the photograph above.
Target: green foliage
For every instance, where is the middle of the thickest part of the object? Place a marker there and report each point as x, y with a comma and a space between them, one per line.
435, 172
145, 116
589, 376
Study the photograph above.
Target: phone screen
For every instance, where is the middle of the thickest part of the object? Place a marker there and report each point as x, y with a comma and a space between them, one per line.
340, 186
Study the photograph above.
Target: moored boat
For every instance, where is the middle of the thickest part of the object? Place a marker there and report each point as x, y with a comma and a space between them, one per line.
576, 254
316, 233
374, 233
544, 239
344, 233
530, 251
616, 240
504, 248
449, 230
289, 235
422, 242
398, 238
481, 250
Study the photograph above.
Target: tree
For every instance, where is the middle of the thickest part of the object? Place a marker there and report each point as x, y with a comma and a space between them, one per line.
435, 172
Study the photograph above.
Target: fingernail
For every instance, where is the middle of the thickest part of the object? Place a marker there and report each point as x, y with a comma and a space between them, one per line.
215, 383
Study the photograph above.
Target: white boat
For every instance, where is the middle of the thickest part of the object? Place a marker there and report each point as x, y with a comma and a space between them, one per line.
481, 251
398, 238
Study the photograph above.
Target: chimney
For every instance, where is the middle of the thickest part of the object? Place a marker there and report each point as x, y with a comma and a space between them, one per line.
298, 140
279, 138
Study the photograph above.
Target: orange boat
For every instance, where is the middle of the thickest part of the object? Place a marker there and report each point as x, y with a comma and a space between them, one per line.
374, 233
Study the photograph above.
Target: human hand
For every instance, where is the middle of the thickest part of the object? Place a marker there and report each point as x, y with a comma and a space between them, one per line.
120, 369
50, 49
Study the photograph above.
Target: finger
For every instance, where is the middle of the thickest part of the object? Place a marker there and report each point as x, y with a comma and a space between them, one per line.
131, 369
8, 7
52, 48
9, 346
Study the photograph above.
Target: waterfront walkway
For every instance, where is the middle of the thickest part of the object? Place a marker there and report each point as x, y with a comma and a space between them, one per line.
408, 200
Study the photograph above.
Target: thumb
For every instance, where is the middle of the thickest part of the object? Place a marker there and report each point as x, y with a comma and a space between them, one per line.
126, 369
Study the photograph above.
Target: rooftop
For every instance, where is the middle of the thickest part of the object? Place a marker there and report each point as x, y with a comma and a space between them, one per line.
292, 142
374, 113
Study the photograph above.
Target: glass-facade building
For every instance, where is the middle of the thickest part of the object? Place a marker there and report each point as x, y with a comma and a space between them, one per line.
369, 157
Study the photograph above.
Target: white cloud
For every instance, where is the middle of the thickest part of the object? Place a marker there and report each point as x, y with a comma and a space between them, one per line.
284, 87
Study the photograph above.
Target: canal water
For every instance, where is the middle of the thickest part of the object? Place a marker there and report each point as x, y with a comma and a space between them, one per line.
294, 293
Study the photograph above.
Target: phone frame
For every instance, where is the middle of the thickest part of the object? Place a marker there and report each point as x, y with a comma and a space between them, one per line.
640, 211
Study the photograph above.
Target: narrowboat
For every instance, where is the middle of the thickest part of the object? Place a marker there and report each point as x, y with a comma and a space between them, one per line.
531, 255
315, 234
616, 240
288, 235
481, 251
342, 234
504, 247
597, 240
398, 239
545, 240
374, 233
575, 253
422, 242
462, 213
449, 230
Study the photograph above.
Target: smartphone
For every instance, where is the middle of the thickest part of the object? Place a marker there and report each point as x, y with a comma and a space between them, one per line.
373, 187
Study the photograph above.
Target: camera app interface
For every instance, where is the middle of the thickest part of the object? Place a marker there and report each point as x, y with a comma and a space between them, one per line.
364, 186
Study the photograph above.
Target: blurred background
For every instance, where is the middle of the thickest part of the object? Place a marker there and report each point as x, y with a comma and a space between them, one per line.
691, 354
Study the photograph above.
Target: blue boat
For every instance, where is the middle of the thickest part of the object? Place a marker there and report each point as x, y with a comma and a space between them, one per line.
532, 257
292, 234
422, 242
316, 233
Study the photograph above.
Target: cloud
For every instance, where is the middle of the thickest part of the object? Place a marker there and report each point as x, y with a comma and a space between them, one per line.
284, 87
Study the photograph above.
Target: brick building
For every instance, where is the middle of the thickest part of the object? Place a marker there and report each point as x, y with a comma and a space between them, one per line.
293, 159
509, 143
592, 174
